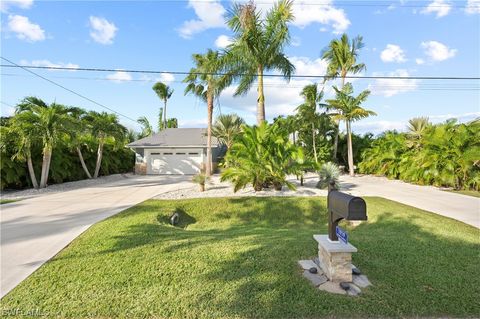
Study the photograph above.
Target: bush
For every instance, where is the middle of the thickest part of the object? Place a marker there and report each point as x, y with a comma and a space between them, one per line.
329, 172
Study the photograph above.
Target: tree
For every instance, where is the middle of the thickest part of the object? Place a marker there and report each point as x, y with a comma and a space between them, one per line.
164, 92
103, 126
205, 82
341, 55
226, 128
349, 110
147, 129
307, 112
258, 46
79, 133
51, 123
172, 122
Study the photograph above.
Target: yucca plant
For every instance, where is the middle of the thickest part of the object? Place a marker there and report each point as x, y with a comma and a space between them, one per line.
328, 173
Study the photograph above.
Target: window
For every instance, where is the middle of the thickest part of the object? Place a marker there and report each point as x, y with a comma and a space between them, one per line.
192, 153
167, 153
154, 153
180, 153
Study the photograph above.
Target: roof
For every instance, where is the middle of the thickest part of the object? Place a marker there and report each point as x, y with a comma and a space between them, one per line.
172, 137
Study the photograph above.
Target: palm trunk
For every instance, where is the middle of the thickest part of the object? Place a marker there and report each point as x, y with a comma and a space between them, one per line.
313, 144
350, 149
208, 168
80, 156
31, 171
335, 142
261, 97
47, 156
99, 157
165, 114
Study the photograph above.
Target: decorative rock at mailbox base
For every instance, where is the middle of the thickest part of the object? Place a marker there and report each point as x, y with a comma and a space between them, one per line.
335, 258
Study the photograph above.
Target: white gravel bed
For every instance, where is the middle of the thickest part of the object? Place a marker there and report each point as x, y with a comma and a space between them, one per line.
215, 188
62, 187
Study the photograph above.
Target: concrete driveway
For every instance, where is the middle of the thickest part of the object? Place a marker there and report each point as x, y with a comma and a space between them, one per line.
36, 229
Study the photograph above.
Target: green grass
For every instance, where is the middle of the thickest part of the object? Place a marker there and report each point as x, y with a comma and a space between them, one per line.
6, 201
237, 258
466, 192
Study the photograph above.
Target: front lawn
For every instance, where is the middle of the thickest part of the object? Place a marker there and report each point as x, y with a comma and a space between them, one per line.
237, 258
7, 201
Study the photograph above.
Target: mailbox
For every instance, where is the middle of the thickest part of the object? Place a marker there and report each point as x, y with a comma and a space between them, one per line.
343, 206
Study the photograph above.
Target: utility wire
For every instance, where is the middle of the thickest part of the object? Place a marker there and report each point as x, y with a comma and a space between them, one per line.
25, 67
69, 90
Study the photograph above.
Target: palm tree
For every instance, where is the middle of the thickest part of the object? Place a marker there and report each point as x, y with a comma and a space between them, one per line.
103, 126
23, 127
51, 123
147, 129
79, 134
341, 55
307, 112
164, 92
226, 128
205, 82
417, 126
349, 110
258, 46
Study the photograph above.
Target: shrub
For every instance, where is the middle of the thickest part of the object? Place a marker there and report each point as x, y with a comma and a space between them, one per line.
329, 172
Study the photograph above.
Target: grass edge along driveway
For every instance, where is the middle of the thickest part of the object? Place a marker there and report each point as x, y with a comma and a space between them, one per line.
236, 258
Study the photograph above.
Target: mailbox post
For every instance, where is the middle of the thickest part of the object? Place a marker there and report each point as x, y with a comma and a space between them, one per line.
335, 257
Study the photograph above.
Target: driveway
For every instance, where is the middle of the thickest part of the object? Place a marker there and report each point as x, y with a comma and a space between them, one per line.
36, 229
457, 206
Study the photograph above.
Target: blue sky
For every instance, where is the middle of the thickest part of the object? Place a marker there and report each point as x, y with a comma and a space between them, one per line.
406, 38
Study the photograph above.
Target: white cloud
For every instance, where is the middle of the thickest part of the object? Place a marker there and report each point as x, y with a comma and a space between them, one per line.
192, 123
473, 7
419, 61
281, 97
102, 31
391, 87
393, 53
437, 51
23, 4
326, 13
377, 127
24, 29
223, 41
47, 63
462, 117
296, 41
166, 78
7, 111
119, 76
210, 14
439, 7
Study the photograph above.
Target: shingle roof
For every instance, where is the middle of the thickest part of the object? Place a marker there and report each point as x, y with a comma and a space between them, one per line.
176, 137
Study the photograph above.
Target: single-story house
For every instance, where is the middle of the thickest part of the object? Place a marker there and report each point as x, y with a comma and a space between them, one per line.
175, 151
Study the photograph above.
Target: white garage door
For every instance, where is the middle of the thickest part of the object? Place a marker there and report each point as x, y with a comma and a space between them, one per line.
175, 163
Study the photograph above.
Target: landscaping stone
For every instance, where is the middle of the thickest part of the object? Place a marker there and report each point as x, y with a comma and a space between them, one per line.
315, 279
332, 287
307, 264
356, 271
313, 270
353, 290
345, 285
361, 281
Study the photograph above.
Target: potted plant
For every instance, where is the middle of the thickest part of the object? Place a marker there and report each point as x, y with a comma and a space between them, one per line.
200, 179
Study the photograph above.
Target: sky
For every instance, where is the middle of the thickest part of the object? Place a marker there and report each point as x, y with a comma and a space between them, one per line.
402, 38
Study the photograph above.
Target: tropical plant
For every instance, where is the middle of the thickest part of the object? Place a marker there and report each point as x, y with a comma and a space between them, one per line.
258, 46
79, 133
147, 129
307, 112
172, 123
201, 179
262, 156
348, 109
103, 126
226, 128
205, 82
341, 55
328, 173
50, 122
164, 92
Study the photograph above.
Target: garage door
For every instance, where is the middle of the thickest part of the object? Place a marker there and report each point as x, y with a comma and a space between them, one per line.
175, 163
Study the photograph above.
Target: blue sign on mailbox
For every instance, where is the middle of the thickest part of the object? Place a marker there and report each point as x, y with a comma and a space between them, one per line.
342, 234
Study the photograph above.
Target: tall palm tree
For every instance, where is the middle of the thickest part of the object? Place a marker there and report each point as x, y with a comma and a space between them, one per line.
349, 110
205, 82
227, 127
147, 129
258, 46
79, 134
103, 126
51, 123
164, 92
341, 55
307, 112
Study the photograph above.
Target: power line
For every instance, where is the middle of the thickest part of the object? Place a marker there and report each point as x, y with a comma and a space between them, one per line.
69, 90
25, 67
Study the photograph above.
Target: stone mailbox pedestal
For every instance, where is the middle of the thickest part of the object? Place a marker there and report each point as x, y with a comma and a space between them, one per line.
335, 258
